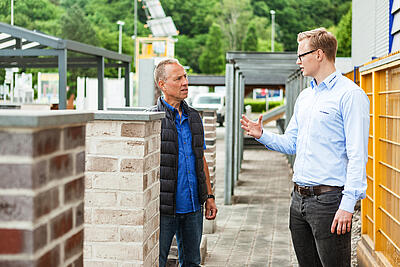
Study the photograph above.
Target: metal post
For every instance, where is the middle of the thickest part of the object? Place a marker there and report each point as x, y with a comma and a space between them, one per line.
229, 82
236, 126
241, 101
135, 34
100, 83
127, 93
12, 12
120, 24
62, 79
272, 30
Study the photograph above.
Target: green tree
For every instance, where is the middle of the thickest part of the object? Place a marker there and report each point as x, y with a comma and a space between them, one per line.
191, 17
39, 15
260, 8
344, 35
250, 42
212, 59
75, 26
233, 17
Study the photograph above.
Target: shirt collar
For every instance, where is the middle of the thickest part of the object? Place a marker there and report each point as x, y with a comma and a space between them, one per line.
329, 81
171, 107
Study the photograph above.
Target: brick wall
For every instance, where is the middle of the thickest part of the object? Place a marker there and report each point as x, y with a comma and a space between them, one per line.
41, 188
210, 133
122, 189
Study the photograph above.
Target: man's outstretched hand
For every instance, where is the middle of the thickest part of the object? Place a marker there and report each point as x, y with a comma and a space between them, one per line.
252, 128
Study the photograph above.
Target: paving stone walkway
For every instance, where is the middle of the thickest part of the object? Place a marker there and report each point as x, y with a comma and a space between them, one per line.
253, 231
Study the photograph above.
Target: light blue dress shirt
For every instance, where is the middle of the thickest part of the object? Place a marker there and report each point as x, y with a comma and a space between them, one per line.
328, 132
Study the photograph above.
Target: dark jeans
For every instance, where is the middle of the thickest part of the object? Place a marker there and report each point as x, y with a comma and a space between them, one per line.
310, 223
188, 229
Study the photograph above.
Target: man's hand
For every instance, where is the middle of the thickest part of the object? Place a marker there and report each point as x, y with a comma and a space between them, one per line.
252, 128
343, 222
211, 209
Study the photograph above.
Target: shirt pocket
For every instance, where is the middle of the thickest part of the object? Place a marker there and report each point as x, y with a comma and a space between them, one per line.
325, 123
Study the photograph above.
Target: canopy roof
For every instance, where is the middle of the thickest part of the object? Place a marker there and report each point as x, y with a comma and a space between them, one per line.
24, 48
264, 69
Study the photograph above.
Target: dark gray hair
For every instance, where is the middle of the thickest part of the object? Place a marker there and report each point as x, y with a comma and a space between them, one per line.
159, 71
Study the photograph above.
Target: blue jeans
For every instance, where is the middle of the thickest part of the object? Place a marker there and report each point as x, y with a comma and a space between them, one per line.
310, 223
188, 229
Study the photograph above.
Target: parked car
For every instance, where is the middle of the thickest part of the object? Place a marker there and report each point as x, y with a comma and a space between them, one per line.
211, 100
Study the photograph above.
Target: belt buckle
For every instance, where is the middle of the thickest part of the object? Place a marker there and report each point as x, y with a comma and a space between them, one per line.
304, 190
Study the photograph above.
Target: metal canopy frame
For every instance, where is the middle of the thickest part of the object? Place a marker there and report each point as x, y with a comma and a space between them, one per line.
24, 48
248, 69
206, 80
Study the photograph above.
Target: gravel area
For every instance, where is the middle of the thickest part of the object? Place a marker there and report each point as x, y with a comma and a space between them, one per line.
355, 236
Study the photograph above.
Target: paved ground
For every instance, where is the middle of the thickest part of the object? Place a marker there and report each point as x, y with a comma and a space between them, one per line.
254, 230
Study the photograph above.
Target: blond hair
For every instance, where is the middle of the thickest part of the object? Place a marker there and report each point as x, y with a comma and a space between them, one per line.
159, 71
320, 38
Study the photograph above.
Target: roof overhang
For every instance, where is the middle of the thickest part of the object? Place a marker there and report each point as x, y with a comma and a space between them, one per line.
264, 68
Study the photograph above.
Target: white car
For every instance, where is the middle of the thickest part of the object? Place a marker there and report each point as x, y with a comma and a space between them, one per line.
211, 100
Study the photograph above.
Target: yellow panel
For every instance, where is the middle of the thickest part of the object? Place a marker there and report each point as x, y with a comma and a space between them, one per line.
390, 234
370, 187
381, 208
370, 147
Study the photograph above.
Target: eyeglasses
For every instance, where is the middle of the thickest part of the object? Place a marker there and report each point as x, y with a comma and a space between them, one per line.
305, 54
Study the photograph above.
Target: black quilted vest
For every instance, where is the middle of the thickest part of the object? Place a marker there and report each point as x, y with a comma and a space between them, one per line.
170, 153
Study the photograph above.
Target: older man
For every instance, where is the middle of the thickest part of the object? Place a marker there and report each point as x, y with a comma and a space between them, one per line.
184, 177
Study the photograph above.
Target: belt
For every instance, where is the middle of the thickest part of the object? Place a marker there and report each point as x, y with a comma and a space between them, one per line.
315, 190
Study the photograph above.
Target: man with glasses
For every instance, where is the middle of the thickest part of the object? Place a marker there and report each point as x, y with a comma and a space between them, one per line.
328, 132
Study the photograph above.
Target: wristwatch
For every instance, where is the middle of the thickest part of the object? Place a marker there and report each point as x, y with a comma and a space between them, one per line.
211, 196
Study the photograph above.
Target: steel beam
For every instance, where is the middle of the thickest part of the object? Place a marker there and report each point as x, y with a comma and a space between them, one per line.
62, 79
100, 83
127, 83
229, 82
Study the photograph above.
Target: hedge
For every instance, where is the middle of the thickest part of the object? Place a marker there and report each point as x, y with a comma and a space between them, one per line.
258, 105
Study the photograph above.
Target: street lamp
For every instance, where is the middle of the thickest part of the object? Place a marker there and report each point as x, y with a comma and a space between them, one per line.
135, 34
12, 12
120, 24
272, 30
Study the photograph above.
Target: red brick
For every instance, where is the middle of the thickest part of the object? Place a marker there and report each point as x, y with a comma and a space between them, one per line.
74, 137
39, 237
16, 143
46, 142
11, 241
50, 259
61, 166
79, 215
23, 175
74, 245
79, 262
61, 224
80, 162
74, 190
16, 263
45, 202
16, 208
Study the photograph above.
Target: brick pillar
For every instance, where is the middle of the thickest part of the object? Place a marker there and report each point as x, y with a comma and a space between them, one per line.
210, 133
122, 189
41, 188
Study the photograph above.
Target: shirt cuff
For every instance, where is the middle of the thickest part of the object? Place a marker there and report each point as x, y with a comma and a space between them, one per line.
347, 204
264, 139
